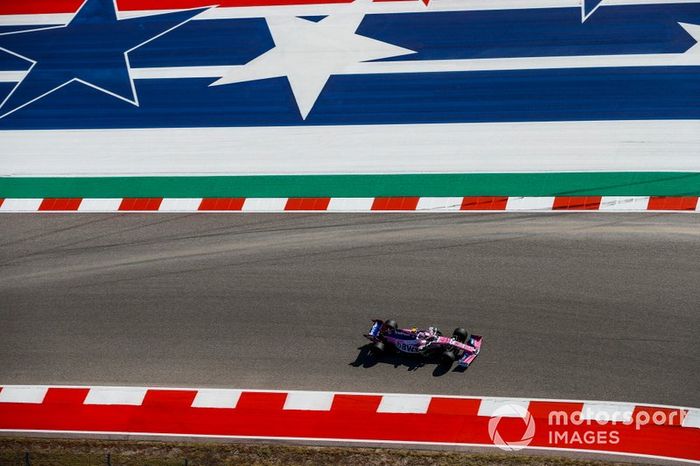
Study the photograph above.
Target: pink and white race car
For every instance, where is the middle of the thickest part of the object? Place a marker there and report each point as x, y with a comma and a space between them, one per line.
461, 347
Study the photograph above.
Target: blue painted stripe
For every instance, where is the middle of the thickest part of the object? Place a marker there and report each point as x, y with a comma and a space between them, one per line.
203, 43
537, 32
541, 95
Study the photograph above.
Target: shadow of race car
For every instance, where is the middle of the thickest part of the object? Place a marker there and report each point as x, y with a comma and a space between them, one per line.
461, 347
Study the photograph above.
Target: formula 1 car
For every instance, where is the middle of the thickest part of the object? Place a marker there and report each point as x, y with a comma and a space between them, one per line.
461, 347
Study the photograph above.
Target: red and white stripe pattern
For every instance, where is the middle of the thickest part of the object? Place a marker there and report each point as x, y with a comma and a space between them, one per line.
310, 416
358, 204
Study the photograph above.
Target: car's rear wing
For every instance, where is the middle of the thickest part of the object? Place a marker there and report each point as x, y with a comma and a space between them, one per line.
375, 329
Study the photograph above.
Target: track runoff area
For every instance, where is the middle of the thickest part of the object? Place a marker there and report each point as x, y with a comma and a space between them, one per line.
443, 106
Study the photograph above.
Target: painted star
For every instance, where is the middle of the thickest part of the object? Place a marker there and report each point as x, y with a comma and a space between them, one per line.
91, 49
308, 53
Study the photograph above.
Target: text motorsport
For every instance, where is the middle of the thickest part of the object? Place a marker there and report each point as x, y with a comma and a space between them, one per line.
589, 426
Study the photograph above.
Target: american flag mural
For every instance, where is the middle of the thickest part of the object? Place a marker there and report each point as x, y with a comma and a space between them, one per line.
407, 98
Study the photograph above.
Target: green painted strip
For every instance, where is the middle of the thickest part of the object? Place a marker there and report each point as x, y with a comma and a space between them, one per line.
436, 185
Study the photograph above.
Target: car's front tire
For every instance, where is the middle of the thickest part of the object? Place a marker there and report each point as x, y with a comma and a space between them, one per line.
448, 357
460, 334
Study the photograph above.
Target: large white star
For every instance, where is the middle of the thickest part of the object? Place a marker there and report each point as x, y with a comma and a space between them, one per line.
308, 53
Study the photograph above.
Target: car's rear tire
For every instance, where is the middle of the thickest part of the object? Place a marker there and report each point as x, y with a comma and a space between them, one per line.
391, 324
377, 348
448, 357
460, 334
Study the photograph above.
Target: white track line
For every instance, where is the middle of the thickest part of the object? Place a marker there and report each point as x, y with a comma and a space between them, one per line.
23, 394
489, 406
616, 412
216, 398
309, 401
416, 404
115, 396
20, 205
665, 145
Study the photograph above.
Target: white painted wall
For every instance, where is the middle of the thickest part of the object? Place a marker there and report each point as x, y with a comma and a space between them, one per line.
453, 148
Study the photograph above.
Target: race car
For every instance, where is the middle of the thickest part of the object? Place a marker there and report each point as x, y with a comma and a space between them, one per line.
461, 347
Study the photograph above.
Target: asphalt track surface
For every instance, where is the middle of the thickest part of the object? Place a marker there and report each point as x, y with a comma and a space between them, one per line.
581, 306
